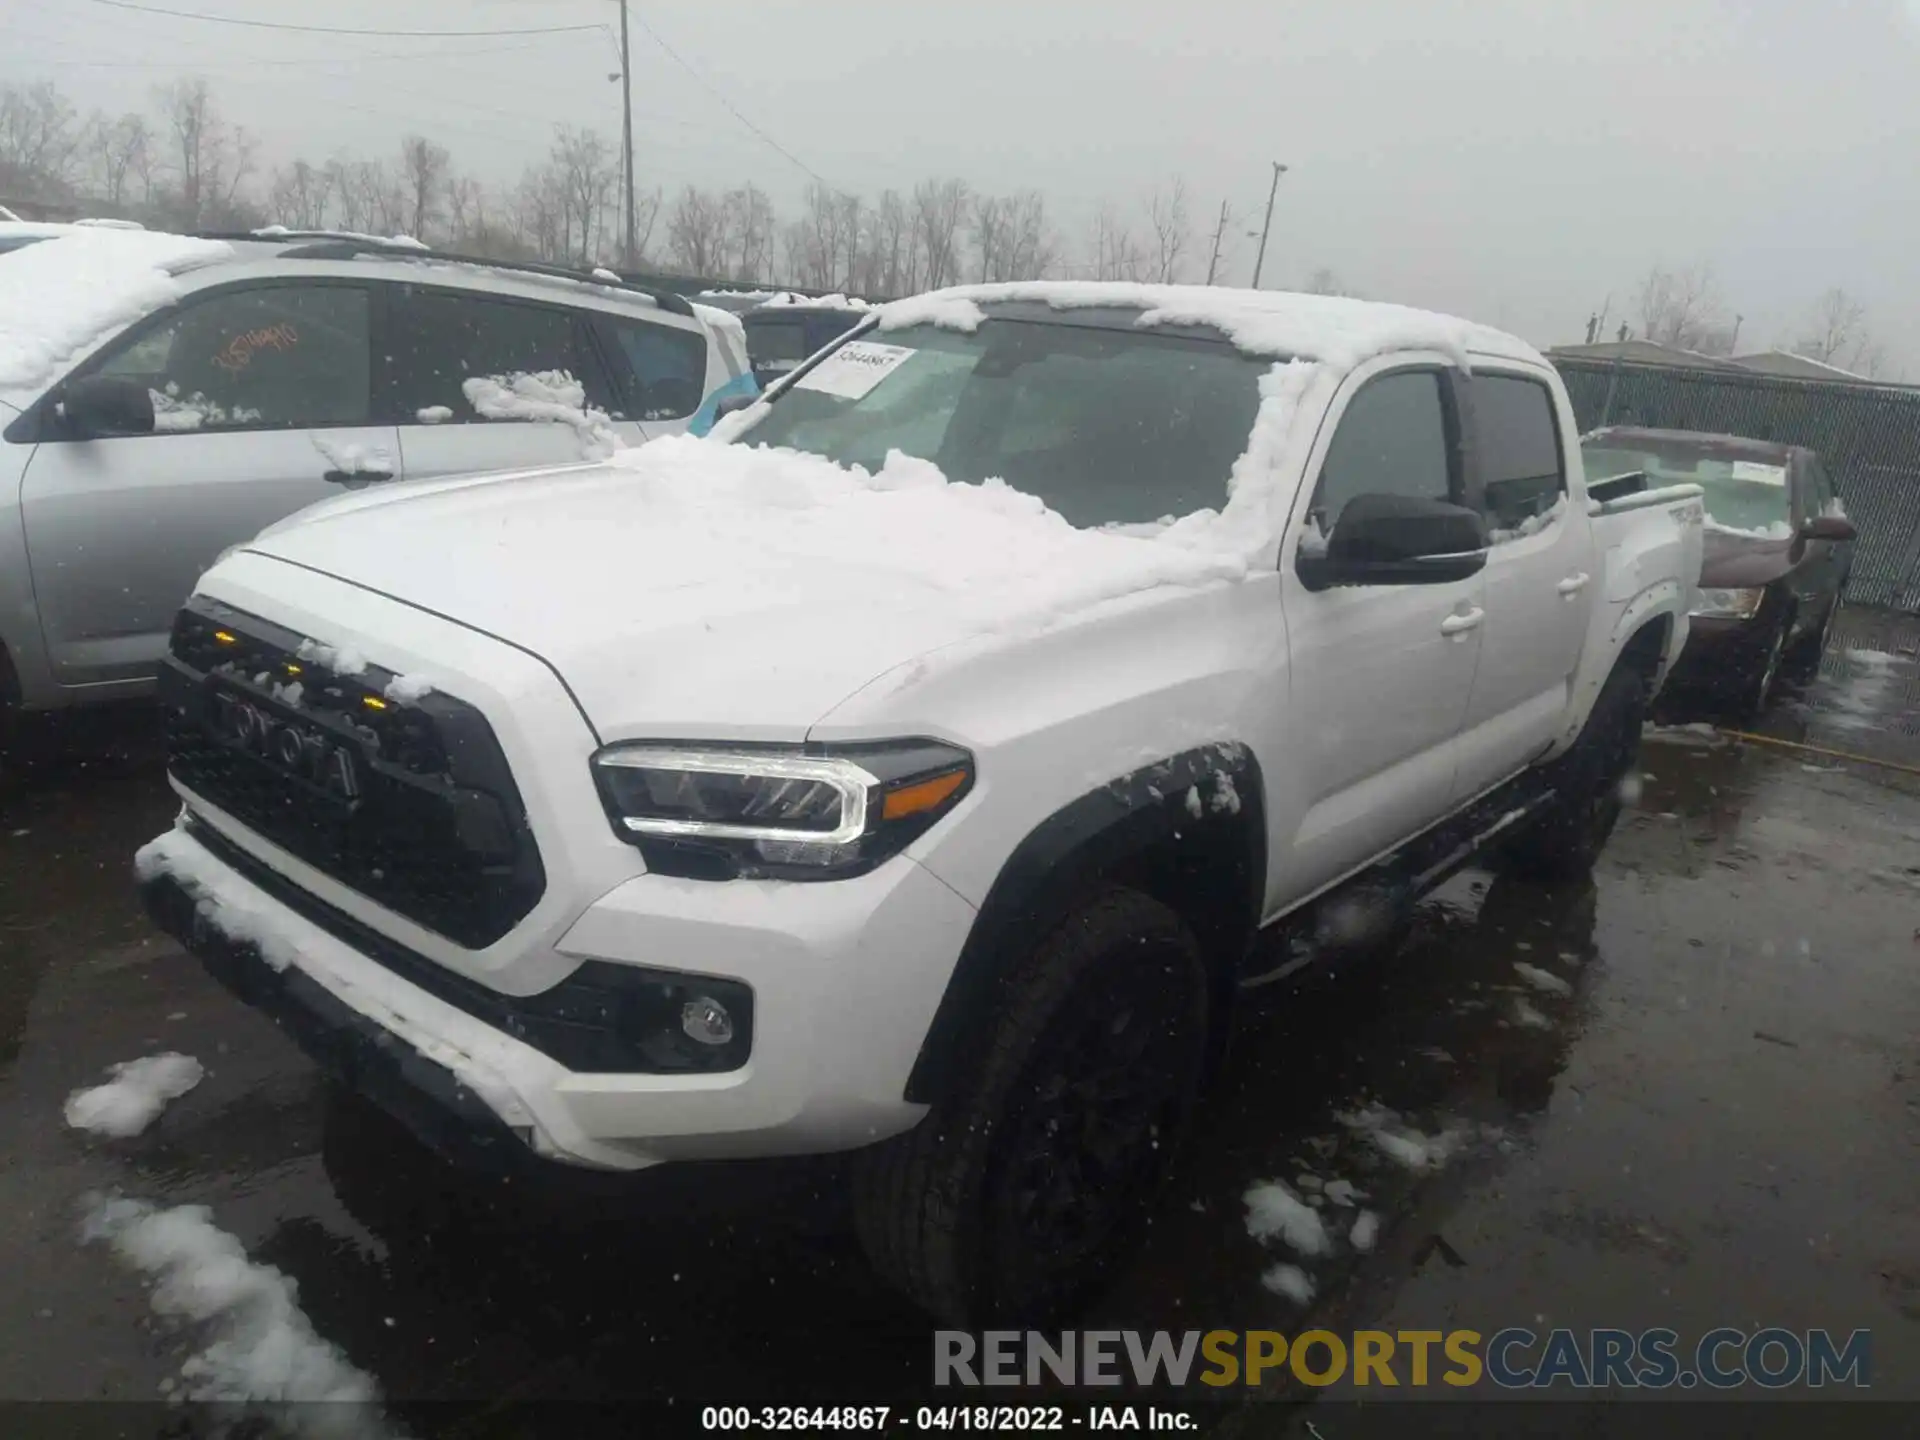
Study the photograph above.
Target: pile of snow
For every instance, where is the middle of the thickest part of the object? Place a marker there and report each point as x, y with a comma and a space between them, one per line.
340, 659
408, 688
1290, 1281
835, 301
262, 1351
172, 413
1274, 1211
1366, 1230
1404, 1143
1545, 981
281, 232
1858, 701
548, 395
352, 457
133, 1099
1527, 1017
1278, 323
1532, 525
1778, 530
970, 558
433, 414
62, 297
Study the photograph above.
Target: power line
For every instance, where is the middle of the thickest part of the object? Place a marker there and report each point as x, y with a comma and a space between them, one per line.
339, 30
718, 94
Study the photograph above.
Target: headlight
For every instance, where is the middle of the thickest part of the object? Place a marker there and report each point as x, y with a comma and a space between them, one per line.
816, 814
1729, 604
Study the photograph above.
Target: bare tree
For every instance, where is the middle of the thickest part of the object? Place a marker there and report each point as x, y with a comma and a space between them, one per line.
1326, 281
301, 195
1172, 230
588, 172
38, 139
1837, 335
210, 158
1682, 308
988, 229
1116, 255
424, 167
747, 234
697, 232
120, 151
890, 248
939, 210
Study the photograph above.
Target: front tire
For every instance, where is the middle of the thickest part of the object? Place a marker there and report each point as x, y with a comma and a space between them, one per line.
1757, 692
1008, 1199
1566, 841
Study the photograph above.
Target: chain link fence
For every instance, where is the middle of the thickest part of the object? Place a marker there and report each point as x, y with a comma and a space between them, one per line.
1869, 436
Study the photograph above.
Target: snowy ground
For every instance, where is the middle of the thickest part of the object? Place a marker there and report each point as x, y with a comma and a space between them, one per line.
1709, 1118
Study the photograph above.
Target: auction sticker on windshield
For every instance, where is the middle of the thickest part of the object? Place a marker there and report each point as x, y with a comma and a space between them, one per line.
854, 369
1755, 473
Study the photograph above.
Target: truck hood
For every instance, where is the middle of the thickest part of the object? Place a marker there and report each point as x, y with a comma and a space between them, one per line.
691, 589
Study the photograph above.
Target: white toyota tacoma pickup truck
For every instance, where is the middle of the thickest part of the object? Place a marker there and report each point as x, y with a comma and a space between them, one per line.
927, 763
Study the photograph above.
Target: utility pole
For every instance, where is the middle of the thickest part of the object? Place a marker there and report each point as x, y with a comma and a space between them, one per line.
1274, 189
626, 136
1218, 231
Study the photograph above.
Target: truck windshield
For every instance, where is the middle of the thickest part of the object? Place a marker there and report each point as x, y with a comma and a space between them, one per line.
1739, 494
1107, 425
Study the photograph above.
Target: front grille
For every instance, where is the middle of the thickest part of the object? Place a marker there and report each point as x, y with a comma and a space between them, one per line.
409, 802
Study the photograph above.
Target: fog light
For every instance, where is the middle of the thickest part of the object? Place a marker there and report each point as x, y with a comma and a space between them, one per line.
706, 1020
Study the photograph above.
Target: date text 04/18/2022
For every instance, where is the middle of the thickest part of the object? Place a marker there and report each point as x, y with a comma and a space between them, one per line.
995, 1419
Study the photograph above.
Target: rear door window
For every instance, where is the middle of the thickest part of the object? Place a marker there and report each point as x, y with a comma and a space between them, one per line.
1521, 463
439, 340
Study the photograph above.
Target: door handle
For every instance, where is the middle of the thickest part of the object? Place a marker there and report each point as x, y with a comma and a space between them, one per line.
353, 479
1455, 626
1573, 585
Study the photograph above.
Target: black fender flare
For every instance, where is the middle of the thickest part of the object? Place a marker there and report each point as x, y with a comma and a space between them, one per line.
1139, 829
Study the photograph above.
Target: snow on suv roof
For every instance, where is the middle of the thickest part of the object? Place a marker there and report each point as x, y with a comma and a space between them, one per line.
1279, 323
61, 295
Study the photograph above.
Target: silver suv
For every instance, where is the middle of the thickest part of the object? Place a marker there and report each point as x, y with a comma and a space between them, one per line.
244, 380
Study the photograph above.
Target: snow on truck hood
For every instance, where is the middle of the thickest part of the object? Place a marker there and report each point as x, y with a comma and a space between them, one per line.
698, 589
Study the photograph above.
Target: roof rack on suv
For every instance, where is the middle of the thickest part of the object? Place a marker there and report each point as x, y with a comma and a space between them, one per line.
323, 246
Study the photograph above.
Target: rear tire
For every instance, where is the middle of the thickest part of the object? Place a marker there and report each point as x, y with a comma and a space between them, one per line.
1009, 1198
1568, 838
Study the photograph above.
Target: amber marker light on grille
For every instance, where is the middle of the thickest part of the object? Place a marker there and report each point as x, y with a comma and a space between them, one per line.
373, 702
225, 637
925, 795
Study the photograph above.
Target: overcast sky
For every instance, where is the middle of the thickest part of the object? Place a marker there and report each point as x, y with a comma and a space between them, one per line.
1517, 161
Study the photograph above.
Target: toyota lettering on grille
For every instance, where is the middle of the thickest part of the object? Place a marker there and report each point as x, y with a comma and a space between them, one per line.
302, 750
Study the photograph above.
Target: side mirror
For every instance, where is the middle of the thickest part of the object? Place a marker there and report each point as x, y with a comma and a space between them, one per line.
1398, 540
102, 405
733, 404
1836, 528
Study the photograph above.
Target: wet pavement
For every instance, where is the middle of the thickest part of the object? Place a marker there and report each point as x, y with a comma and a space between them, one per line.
1707, 1113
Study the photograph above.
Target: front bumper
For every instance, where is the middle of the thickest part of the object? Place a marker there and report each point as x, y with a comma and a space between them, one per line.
845, 978
1722, 653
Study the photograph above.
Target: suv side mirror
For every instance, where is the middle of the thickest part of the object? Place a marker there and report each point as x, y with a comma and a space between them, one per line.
1836, 528
103, 405
1398, 540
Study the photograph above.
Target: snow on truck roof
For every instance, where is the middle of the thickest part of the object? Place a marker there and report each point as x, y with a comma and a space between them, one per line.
1330, 329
